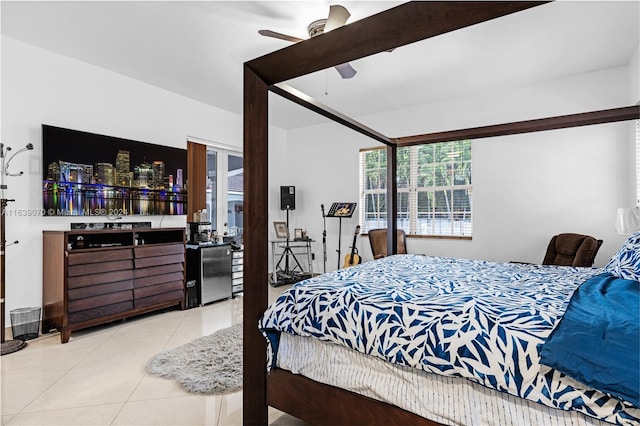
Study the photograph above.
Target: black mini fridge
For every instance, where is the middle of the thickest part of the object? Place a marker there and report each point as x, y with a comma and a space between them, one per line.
209, 272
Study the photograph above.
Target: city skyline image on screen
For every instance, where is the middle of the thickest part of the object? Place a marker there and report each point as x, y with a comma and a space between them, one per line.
87, 174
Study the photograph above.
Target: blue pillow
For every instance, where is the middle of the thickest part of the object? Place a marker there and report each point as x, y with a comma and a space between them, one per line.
625, 263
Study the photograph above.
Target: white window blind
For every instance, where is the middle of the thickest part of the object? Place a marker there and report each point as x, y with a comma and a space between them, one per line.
434, 189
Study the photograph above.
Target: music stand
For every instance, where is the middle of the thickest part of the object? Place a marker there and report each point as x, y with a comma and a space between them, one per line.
324, 237
341, 210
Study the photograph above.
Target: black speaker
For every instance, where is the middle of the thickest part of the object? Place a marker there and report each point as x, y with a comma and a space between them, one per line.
287, 198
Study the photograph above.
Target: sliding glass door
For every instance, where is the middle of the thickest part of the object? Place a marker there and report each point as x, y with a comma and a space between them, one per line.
235, 195
225, 192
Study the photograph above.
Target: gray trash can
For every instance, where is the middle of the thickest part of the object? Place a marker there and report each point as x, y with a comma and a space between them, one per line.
25, 323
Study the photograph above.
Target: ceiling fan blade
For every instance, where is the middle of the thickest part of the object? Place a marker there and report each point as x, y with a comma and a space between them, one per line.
269, 33
338, 16
346, 70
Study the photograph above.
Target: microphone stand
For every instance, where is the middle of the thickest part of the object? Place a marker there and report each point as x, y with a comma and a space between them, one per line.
339, 239
324, 237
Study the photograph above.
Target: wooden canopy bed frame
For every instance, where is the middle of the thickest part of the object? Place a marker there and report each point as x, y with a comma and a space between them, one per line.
414, 21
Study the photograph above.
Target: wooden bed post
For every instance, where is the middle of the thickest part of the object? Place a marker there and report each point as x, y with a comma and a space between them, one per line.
256, 190
392, 199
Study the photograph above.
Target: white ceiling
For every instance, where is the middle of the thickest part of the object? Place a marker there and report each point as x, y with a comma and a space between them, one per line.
197, 48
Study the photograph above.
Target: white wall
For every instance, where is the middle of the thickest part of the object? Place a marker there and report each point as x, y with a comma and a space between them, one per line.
634, 80
526, 188
38, 87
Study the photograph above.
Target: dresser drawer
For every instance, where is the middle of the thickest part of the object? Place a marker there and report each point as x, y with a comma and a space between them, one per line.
176, 296
95, 279
151, 251
96, 290
99, 268
158, 270
100, 312
146, 262
97, 301
99, 256
158, 279
167, 287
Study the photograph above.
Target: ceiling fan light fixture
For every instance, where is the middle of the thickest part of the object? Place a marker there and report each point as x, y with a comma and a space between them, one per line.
316, 27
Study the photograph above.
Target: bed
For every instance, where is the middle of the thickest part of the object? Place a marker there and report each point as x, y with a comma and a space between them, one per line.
304, 397
428, 320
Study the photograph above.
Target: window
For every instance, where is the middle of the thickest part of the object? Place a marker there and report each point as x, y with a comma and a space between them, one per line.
434, 189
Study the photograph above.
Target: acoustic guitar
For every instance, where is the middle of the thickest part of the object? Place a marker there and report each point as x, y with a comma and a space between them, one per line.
353, 258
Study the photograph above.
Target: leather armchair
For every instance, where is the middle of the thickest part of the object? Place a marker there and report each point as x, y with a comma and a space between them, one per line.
572, 250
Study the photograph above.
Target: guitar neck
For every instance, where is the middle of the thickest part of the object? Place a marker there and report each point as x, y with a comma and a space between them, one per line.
353, 245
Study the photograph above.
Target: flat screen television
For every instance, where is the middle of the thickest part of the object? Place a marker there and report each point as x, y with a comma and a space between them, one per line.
87, 174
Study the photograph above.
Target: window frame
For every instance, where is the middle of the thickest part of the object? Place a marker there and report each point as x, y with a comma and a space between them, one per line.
409, 218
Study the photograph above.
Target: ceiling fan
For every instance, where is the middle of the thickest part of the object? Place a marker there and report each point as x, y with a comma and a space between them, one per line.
338, 16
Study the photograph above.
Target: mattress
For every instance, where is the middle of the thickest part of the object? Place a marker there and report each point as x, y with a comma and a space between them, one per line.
444, 399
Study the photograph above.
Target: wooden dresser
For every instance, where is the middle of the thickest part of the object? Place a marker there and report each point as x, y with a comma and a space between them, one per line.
94, 277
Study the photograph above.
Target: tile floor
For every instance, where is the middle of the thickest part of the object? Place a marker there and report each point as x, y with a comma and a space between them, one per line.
98, 377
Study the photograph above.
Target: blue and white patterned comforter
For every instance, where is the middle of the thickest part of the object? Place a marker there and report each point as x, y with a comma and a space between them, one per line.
484, 321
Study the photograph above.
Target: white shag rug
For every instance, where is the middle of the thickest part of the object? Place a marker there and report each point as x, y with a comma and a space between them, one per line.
210, 365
